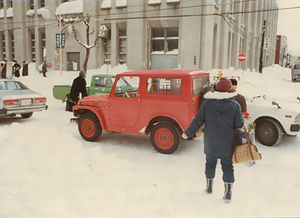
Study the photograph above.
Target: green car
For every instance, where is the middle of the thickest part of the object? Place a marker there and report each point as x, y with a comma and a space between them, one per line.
100, 84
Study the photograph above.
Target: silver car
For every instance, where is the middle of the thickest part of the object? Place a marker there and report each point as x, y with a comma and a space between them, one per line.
16, 98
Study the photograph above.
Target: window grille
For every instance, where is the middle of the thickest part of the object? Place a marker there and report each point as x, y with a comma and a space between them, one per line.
164, 85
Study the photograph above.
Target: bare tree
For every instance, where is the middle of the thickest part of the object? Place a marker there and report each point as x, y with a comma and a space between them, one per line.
86, 21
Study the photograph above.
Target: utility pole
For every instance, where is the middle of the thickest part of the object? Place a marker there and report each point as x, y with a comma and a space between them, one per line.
261, 64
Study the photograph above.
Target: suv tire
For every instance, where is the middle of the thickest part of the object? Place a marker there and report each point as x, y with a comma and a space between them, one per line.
89, 127
165, 137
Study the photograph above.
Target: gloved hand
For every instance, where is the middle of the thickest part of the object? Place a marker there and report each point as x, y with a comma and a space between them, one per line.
246, 115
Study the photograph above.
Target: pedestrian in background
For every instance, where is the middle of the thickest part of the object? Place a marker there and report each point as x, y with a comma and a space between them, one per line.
3, 71
78, 90
16, 69
44, 68
1, 67
221, 116
25, 69
239, 98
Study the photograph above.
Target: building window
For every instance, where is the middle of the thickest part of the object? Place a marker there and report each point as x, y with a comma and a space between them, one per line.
3, 46
165, 40
33, 47
123, 45
31, 4
62, 1
42, 3
1, 4
43, 35
13, 46
9, 3
107, 51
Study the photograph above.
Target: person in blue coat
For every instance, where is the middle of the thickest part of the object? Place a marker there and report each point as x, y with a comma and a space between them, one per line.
221, 116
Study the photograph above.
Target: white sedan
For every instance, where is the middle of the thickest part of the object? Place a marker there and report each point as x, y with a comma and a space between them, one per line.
272, 118
16, 98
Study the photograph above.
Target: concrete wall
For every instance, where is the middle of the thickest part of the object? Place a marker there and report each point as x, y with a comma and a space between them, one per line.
211, 34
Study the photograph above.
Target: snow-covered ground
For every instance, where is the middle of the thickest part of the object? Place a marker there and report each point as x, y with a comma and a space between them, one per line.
48, 170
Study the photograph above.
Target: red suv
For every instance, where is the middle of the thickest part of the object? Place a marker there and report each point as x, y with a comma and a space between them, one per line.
159, 103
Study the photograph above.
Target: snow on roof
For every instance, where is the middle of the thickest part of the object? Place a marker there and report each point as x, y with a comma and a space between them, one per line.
172, 1
9, 12
121, 3
74, 7
1, 13
154, 2
106, 4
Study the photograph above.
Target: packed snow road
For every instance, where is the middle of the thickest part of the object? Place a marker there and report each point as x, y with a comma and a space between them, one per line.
48, 170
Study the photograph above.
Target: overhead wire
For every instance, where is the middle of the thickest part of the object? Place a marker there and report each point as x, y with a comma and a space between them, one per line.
223, 15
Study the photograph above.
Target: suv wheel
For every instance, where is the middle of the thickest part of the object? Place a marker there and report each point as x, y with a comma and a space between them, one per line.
89, 127
165, 137
268, 132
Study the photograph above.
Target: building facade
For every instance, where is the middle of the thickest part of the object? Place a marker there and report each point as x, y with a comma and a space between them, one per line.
281, 50
144, 34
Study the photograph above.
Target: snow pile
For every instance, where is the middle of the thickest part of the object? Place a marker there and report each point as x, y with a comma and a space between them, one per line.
72, 7
49, 171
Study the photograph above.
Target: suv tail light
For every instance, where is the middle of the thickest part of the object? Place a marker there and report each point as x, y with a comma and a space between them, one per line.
40, 100
11, 102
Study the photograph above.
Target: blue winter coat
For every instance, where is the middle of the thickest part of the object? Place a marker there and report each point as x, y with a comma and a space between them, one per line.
222, 116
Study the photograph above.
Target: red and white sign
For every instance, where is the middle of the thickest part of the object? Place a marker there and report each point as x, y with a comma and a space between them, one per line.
241, 57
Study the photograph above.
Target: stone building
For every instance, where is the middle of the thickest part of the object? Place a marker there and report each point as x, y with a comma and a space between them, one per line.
144, 34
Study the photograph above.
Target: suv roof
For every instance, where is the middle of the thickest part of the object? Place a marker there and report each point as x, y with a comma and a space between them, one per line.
163, 72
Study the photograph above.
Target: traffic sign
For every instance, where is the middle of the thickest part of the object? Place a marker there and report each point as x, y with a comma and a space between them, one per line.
241, 57
60, 40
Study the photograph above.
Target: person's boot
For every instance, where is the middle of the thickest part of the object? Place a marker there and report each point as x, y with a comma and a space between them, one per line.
209, 185
228, 192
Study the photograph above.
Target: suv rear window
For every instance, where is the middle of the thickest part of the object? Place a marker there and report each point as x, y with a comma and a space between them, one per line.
164, 85
200, 83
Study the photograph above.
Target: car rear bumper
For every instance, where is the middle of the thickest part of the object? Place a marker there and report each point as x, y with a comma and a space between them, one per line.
23, 110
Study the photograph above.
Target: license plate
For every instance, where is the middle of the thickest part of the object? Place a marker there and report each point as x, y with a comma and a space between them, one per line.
26, 102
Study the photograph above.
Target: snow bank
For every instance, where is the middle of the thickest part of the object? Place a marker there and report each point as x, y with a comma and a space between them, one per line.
49, 171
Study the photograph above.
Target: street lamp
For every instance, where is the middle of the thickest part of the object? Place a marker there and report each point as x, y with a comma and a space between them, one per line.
46, 14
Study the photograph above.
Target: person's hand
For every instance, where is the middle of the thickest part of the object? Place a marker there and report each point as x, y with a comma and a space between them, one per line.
246, 115
184, 136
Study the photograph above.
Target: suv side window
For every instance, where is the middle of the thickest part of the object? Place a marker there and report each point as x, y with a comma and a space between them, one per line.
199, 84
127, 86
164, 85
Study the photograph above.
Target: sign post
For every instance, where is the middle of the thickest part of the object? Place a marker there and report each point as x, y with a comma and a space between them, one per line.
242, 58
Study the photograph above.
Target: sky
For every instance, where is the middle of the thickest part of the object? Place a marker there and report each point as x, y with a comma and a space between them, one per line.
288, 23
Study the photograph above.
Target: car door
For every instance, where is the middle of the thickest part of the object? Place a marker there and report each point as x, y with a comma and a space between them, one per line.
124, 102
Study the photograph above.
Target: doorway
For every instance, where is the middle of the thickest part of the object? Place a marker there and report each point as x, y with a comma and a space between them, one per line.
73, 63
